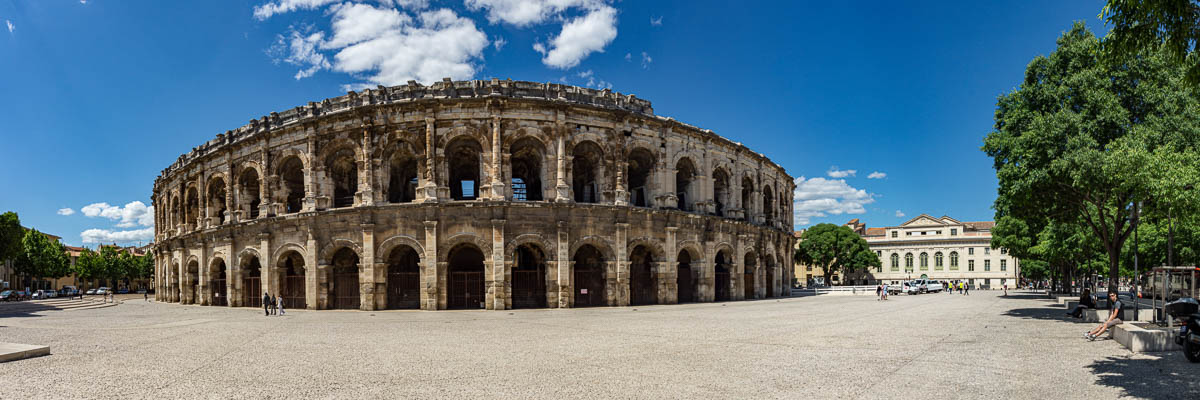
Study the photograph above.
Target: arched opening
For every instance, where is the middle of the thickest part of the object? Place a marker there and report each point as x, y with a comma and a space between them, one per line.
747, 190
402, 177
722, 279
720, 191
586, 172
768, 205
589, 277
529, 277
748, 282
251, 282
769, 276
403, 278
465, 281
342, 167
291, 175
641, 163
216, 200
291, 266
248, 190
192, 208
464, 157
343, 291
526, 159
176, 217
192, 290
686, 278
217, 281
643, 285
685, 172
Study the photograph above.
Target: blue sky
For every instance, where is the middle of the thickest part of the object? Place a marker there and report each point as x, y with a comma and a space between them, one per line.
99, 96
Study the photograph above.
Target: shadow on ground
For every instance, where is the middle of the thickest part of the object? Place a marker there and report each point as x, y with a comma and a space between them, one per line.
1025, 296
1162, 376
1046, 313
23, 309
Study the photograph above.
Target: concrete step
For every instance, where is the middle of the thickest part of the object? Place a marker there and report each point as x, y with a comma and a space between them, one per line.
17, 351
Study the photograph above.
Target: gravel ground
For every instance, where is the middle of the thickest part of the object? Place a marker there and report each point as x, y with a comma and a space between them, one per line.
927, 346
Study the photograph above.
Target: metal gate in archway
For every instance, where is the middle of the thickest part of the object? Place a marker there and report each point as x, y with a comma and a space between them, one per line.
466, 290
220, 292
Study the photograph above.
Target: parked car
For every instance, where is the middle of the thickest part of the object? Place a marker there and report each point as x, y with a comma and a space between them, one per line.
9, 295
103, 290
91, 291
123, 291
68, 291
38, 294
51, 293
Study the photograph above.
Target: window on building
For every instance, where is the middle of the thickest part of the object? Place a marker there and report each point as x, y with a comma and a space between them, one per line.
1003, 250
987, 250
970, 265
1004, 265
937, 261
907, 233
908, 261
879, 268
895, 261
938, 232
924, 261
987, 265
923, 233
970, 251
808, 267
894, 233
878, 253
953, 231
954, 260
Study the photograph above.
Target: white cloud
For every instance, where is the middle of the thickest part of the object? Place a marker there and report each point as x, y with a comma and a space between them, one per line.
899, 213
834, 172
656, 21
522, 13
65, 211
820, 197
585, 74
133, 214
300, 49
109, 236
10, 25
499, 43
579, 38
646, 60
628, 57
285, 6
877, 175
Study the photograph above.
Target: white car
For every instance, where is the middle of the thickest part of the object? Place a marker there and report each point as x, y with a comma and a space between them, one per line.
39, 295
103, 290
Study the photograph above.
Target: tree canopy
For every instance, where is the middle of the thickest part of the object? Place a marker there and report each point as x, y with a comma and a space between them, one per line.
1140, 25
835, 248
11, 234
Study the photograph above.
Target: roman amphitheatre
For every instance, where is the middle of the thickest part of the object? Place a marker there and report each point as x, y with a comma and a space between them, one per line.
493, 194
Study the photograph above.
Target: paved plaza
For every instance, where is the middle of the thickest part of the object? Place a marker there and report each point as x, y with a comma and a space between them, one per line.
927, 346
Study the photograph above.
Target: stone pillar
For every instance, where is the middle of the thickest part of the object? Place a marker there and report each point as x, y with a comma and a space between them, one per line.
268, 274
497, 286
322, 277
562, 189
621, 289
429, 186
366, 275
429, 269
366, 175
566, 291
621, 193
708, 276
739, 271
668, 271
311, 272
202, 273
497, 173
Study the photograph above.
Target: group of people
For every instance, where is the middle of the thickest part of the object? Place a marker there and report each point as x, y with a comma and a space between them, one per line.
272, 305
1087, 301
962, 287
881, 292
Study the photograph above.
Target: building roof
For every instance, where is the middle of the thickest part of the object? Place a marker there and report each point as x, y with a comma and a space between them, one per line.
981, 224
876, 231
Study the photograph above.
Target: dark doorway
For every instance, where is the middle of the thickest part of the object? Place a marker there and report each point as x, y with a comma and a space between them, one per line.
589, 277
403, 279
526, 160
294, 287
722, 277
465, 289
291, 173
219, 288
643, 287
463, 157
685, 280
640, 165
769, 278
585, 172
748, 277
529, 278
252, 283
344, 282
342, 168
193, 283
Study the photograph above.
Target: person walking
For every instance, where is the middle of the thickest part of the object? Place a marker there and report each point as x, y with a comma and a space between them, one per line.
279, 304
1005, 289
885, 291
967, 290
878, 289
266, 300
146, 296
274, 310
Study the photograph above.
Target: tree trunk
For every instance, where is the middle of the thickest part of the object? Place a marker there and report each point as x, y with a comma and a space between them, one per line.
1114, 267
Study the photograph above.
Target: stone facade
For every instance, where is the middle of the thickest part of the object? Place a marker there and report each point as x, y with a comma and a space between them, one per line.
943, 249
476, 194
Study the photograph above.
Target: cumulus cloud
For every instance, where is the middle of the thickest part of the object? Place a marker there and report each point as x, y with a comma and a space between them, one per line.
133, 214
834, 172
646, 60
285, 6
579, 38
656, 21
300, 49
877, 175
65, 211
522, 13
109, 236
820, 197
499, 43
899, 213
10, 25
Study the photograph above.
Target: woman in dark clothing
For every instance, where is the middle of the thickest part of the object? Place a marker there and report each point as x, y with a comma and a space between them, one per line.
1085, 302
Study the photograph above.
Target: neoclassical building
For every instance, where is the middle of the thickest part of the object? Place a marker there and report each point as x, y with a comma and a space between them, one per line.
471, 194
943, 249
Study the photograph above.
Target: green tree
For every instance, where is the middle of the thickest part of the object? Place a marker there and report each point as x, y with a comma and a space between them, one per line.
1141, 25
1084, 137
114, 265
835, 248
11, 234
57, 263
89, 266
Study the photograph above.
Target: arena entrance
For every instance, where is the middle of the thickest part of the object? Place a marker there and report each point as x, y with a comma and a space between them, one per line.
219, 287
252, 282
193, 281
294, 287
722, 280
343, 280
465, 286
643, 287
685, 279
588, 276
769, 277
403, 278
529, 277
748, 281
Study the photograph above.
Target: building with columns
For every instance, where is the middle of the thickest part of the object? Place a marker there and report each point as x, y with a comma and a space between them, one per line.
473, 194
943, 249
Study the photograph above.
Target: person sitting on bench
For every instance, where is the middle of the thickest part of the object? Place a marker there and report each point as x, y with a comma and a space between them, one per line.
1114, 318
1086, 301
